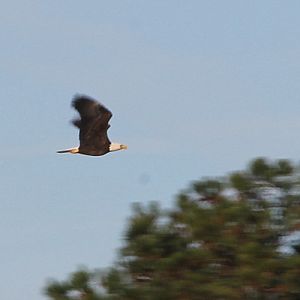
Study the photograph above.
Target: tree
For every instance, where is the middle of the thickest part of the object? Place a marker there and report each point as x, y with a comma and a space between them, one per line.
221, 241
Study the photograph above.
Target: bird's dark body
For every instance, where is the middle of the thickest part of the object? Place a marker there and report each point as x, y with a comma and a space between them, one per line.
93, 126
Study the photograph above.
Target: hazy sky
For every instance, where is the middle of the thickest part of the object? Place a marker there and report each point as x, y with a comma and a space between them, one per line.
196, 87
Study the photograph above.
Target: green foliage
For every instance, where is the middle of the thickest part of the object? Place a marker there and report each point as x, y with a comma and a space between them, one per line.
260, 168
240, 182
58, 291
208, 189
209, 246
291, 277
76, 288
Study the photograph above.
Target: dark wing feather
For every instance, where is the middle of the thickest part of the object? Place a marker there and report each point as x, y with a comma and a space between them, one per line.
93, 125
77, 123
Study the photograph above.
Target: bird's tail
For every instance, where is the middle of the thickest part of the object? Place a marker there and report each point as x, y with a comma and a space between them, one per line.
71, 150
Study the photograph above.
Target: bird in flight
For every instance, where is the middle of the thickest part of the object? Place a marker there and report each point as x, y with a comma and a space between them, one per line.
93, 126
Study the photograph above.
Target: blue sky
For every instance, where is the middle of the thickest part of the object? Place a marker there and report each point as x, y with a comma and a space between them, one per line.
196, 87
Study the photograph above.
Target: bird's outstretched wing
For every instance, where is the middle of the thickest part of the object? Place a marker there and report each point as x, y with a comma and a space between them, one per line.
93, 125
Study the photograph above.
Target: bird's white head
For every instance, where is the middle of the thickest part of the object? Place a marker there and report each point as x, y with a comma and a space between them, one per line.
116, 147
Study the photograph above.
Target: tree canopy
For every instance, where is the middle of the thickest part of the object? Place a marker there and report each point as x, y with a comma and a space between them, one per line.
225, 238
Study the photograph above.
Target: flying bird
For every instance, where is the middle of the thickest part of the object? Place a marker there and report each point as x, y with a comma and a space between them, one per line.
93, 125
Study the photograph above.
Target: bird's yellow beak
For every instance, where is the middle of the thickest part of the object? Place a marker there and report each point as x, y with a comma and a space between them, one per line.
124, 147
